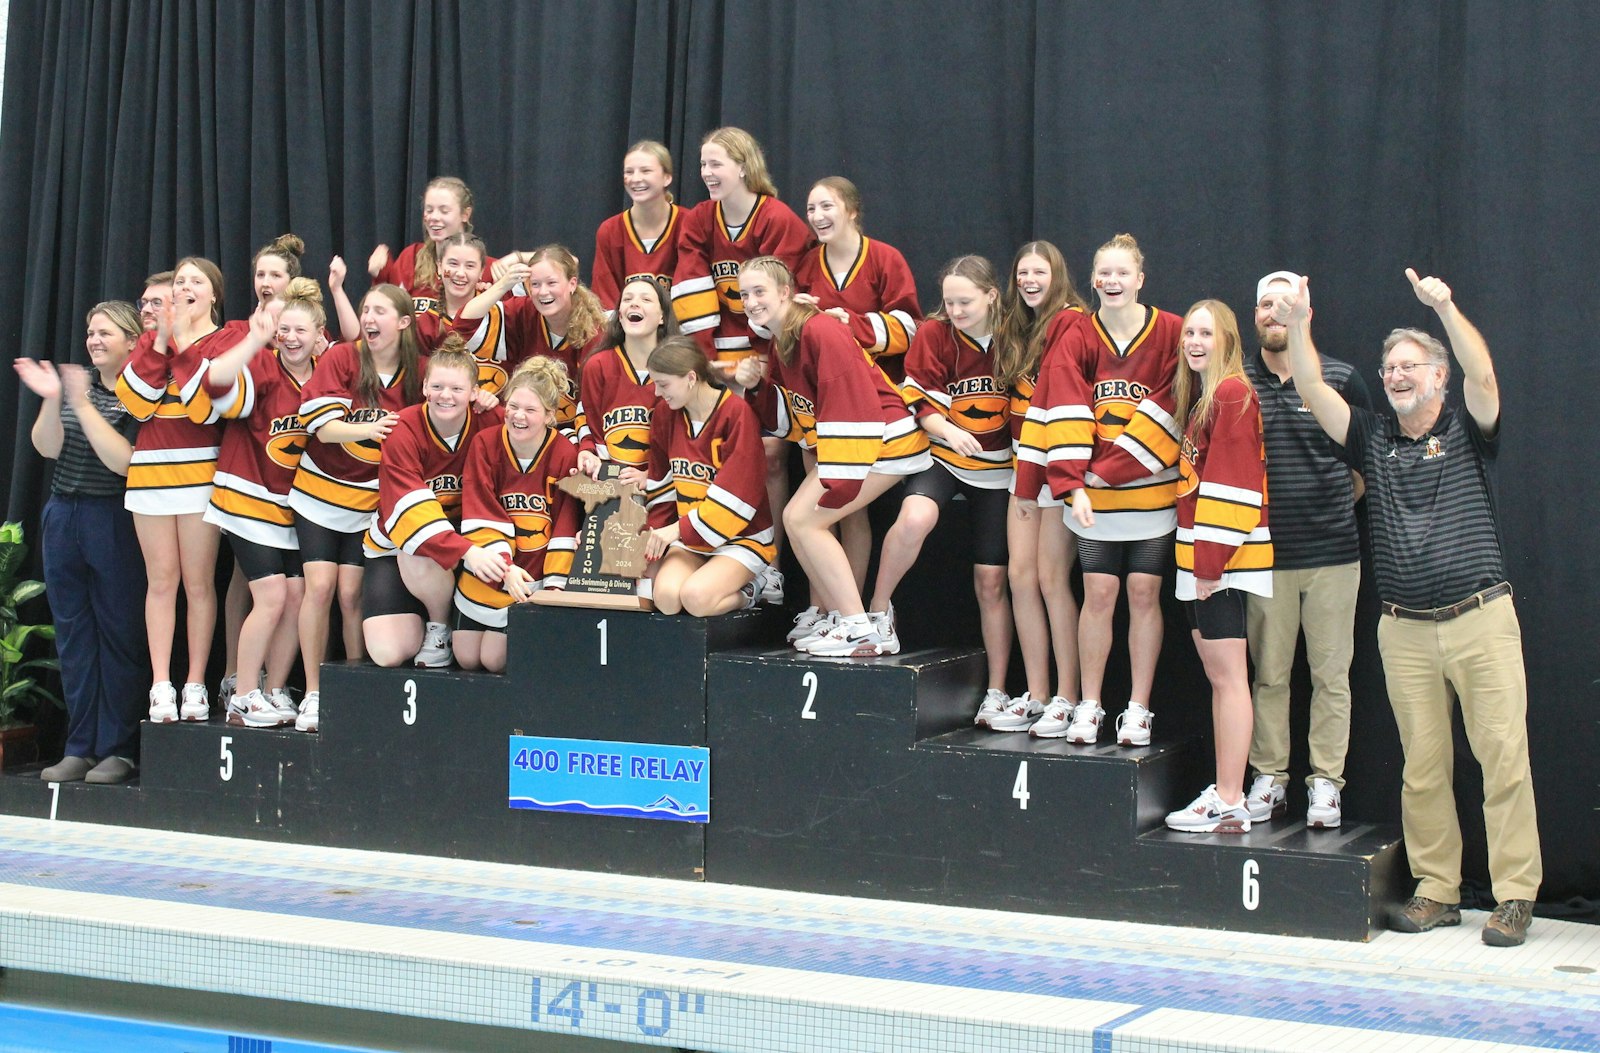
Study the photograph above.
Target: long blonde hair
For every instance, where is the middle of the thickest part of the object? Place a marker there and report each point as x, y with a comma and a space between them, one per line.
787, 336
588, 314
1194, 408
425, 272
745, 152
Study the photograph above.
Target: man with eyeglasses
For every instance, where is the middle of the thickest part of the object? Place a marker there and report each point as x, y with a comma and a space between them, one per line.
157, 294
1316, 575
1449, 628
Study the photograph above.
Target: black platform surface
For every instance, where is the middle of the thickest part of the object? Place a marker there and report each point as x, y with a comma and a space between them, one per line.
851, 776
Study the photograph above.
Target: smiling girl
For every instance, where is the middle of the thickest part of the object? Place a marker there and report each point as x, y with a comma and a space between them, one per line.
951, 386
349, 408
259, 390
617, 398
170, 477
1224, 548
446, 210
818, 389
711, 527
512, 508
413, 545
641, 240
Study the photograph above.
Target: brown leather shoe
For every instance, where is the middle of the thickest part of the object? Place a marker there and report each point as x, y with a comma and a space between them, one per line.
1419, 914
1508, 925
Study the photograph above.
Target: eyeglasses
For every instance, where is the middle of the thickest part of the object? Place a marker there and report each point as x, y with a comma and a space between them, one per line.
155, 303
1405, 369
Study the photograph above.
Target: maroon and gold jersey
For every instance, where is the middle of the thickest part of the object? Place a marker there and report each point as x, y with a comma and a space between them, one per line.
336, 484
711, 479
419, 488
615, 403
261, 448
879, 293
620, 254
951, 374
513, 507
510, 333
402, 271
705, 284
175, 456
1222, 497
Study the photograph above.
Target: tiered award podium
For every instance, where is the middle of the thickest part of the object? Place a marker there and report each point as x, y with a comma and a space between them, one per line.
860, 777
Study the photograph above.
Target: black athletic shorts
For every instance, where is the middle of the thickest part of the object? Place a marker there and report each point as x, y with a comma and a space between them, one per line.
384, 592
263, 561
1219, 617
320, 544
1118, 558
938, 484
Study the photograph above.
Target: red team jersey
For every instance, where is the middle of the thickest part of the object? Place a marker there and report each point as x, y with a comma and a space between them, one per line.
513, 507
175, 456
951, 374
705, 285
261, 448
615, 404
878, 291
620, 253
712, 481
1101, 419
419, 488
832, 399
336, 485
1222, 497
514, 331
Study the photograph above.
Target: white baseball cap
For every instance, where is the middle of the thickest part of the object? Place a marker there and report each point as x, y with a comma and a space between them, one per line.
1276, 276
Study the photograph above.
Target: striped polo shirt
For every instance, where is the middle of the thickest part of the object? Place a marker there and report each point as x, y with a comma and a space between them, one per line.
79, 472
1435, 539
1313, 500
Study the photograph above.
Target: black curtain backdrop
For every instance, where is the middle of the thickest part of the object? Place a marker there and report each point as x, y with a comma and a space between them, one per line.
1346, 141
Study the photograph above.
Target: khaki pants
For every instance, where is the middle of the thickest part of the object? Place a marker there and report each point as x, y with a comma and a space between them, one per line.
1322, 602
1478, 658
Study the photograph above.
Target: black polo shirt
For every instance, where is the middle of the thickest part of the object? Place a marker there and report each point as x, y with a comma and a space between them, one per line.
79, 472
1430, 502
1309, 491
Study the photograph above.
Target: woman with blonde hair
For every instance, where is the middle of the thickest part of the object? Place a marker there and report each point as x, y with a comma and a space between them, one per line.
642, 239
1224, 549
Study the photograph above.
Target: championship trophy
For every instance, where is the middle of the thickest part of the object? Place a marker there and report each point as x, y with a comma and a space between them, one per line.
609, 561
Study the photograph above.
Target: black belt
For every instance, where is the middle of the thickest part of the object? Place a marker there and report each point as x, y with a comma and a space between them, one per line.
1444, 614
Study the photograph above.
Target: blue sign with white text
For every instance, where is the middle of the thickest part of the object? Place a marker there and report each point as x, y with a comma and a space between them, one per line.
589, 776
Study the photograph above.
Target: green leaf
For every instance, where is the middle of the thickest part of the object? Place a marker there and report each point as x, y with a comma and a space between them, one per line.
25, 591
41, 663
9, 652
17, 689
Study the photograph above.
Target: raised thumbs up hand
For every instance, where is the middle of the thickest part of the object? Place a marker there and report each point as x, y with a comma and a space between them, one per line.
1431, 291
1291, 308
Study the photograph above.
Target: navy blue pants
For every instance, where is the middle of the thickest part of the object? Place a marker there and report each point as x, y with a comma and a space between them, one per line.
94, 579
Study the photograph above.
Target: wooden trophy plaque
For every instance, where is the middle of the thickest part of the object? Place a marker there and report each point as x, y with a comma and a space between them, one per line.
610, 558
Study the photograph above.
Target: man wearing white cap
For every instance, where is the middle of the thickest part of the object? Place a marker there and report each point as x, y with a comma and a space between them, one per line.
1315, 576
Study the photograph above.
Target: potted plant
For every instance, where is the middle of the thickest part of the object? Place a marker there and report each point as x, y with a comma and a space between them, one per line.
22, 688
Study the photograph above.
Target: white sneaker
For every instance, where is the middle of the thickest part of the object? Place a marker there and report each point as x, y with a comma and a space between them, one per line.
225, 690
851, 638
1085, 727
805, 623
750, 591
306, 719
253, 710
435, 653
196, 704
1207, 814
279, 699
820, 628
883, 621
772, 587
1053, 722
1265, 800
1133, 726
1324, 812
1019, 713
994, 703
164, 703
